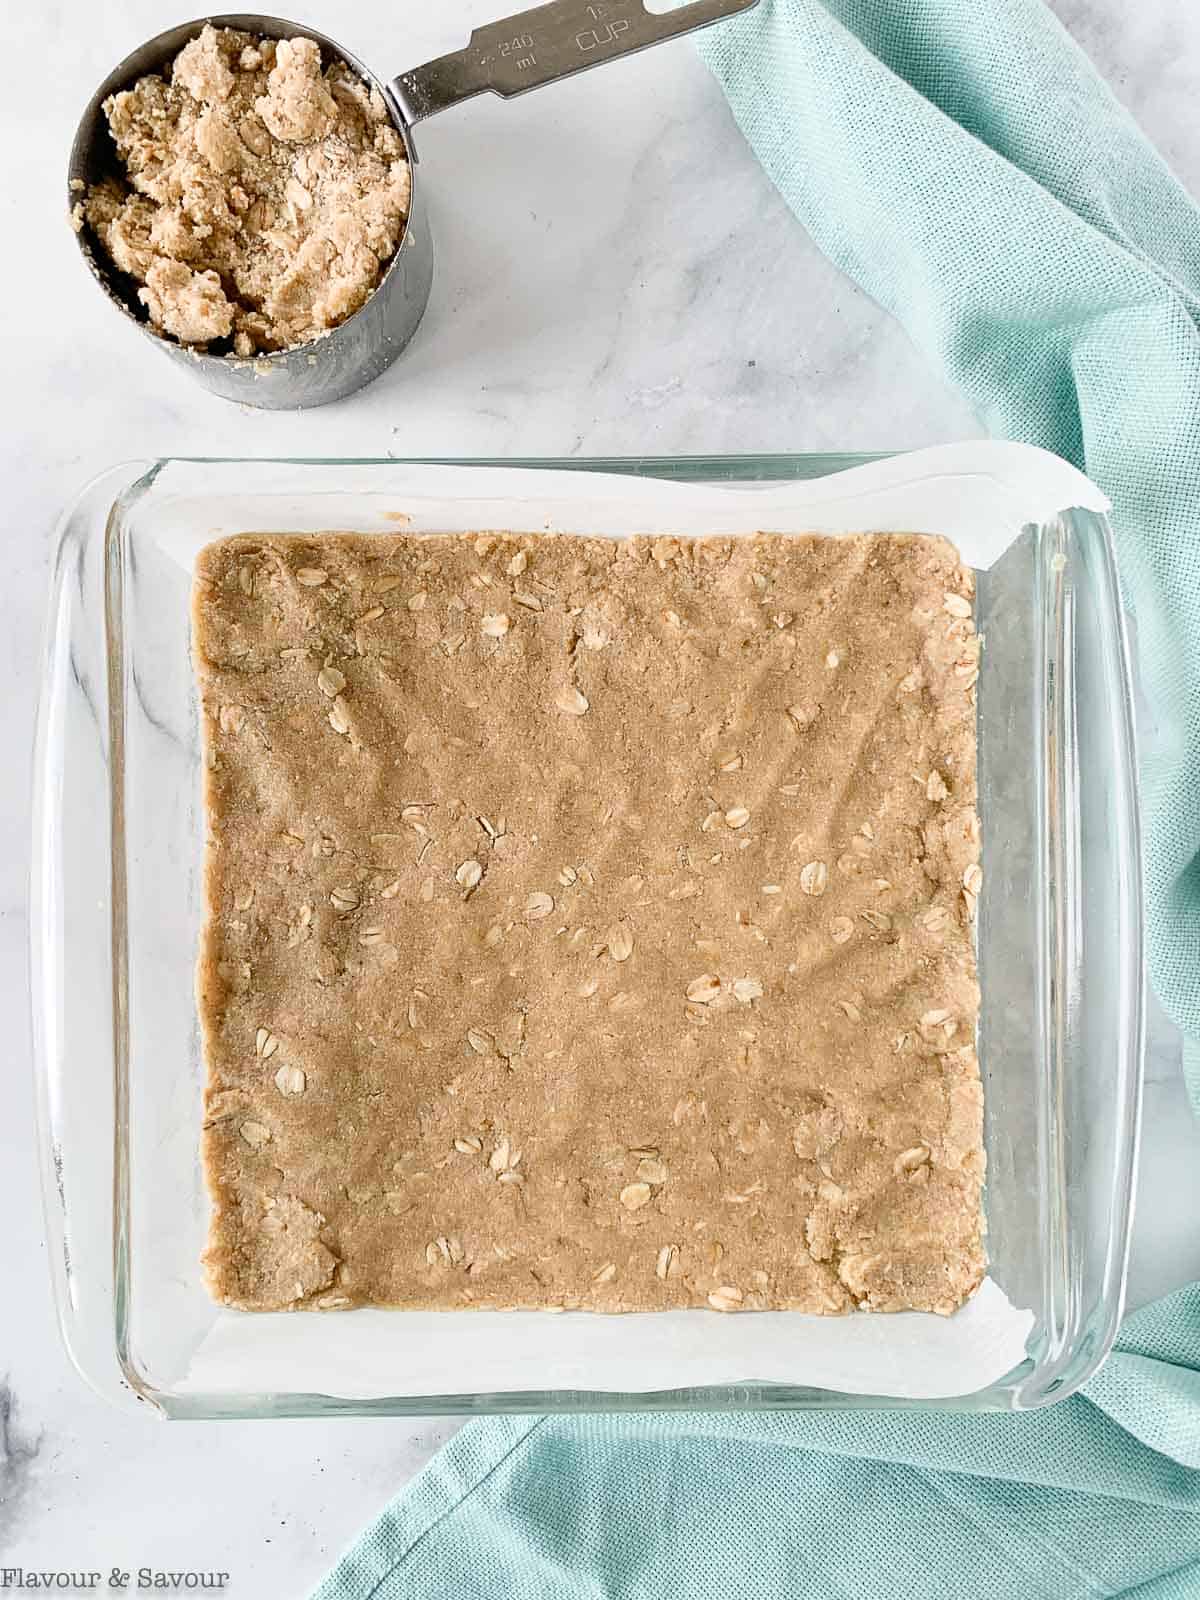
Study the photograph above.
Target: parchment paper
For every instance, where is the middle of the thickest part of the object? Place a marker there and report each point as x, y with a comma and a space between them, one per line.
980, 495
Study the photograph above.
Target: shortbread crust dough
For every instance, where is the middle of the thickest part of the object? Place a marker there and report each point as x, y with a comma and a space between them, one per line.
589, 922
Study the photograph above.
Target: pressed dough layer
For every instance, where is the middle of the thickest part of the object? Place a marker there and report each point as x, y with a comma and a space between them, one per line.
589, 922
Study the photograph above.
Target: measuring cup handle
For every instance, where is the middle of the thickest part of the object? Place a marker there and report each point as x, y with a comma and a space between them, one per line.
550, 42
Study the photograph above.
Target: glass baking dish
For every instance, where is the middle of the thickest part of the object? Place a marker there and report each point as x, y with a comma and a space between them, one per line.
116, 899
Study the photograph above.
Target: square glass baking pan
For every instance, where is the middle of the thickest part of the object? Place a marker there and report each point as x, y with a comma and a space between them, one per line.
117, 906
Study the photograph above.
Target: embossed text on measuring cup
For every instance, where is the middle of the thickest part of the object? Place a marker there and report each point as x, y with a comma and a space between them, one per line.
546, 43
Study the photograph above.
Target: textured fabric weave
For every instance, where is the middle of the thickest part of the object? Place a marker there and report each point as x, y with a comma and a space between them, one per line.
965, 165
1097, 1496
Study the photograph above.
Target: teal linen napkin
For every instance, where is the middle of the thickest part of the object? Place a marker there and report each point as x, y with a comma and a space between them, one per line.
1097, 1496
966, 166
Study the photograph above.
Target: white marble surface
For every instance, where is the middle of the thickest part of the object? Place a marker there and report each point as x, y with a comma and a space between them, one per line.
615, 275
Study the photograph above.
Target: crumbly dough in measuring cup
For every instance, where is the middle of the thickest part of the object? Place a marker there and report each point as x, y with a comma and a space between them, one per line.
264, 197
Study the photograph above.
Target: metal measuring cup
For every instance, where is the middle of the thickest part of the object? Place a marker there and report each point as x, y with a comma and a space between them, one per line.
507, 58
